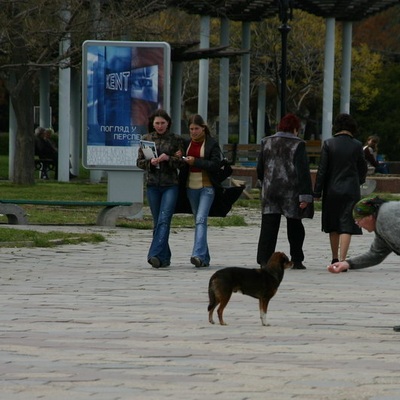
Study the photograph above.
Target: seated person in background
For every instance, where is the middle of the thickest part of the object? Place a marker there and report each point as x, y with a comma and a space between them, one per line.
370, 154
45, 148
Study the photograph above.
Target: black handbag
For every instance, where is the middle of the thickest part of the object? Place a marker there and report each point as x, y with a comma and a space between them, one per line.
224, 199
225, 170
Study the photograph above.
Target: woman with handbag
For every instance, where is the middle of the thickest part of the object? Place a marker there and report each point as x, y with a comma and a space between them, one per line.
200, 178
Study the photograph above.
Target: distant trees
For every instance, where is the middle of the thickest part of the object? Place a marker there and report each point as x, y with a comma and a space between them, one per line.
30, 34
381, 34
31, 30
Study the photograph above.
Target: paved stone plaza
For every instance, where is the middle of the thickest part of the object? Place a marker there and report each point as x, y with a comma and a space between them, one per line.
95, 321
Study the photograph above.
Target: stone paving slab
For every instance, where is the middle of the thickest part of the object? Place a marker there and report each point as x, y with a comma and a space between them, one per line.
95, 321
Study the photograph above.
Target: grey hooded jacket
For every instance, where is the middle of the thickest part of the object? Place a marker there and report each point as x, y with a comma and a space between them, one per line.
387, 237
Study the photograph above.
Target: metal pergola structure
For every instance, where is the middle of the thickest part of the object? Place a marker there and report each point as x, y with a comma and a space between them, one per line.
247, 11
257, 10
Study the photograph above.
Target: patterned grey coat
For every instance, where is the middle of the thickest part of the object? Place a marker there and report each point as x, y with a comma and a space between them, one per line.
283, 169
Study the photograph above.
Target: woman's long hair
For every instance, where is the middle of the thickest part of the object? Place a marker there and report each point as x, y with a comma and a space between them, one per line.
197, 119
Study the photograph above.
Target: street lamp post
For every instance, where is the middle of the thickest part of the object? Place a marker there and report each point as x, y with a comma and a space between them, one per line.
285, 14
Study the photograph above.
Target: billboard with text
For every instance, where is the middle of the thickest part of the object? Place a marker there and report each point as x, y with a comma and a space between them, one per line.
122, 84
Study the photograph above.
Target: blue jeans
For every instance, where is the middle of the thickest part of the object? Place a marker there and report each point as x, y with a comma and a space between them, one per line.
162, 200
201, 201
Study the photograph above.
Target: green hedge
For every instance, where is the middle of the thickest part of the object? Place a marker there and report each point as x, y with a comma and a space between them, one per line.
4, 144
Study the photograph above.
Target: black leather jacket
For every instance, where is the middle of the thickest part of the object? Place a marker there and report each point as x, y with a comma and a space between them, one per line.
342, 168
210, 163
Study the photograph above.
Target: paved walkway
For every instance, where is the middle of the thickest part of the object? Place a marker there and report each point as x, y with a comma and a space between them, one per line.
95, 321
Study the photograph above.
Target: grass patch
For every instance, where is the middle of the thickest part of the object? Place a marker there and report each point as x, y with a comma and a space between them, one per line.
57, 215
10, 237
76, 191
84, 191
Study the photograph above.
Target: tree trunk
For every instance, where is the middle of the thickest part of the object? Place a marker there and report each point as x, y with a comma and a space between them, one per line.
24, 165
20, 86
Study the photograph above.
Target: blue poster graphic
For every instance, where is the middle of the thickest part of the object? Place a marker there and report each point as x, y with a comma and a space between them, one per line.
123, 84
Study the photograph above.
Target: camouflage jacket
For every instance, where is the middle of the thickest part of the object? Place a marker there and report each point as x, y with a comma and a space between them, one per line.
167, 174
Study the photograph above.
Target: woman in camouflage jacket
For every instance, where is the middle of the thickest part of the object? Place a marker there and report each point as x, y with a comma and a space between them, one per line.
162, 184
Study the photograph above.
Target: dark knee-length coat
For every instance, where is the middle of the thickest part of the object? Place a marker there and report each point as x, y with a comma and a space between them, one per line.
341, 171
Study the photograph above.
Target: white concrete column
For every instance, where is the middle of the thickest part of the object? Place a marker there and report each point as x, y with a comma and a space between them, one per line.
327, 102
245, 86
204, 67
64, 101
176, 97
75, 139
13, 126
44, 93
345, 85
262, 95
223, 134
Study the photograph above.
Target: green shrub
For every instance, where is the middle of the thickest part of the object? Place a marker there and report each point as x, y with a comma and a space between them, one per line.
4, 144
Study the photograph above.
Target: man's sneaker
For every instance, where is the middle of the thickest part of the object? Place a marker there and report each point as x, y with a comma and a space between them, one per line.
396, 328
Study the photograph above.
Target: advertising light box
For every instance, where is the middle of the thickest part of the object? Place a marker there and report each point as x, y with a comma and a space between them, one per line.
123, 83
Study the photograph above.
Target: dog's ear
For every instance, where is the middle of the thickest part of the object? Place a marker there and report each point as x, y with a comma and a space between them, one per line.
281, 257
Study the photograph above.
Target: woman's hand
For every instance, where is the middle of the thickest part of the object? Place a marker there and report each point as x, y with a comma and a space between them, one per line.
163, 157
303, 205
337, 267
190, 160
154, 162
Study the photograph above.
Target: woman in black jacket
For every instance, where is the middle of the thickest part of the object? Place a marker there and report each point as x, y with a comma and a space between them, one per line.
341, 171
203, 159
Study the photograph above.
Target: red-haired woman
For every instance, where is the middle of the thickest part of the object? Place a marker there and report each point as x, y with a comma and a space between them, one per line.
284, 172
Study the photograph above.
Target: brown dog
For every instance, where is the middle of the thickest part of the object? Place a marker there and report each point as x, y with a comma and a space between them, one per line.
259, 283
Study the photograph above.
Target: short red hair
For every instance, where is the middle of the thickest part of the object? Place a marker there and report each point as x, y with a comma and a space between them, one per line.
289, 123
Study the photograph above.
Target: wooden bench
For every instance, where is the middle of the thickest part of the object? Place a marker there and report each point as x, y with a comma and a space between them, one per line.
44, 165
111, 210
313, 148
247, 154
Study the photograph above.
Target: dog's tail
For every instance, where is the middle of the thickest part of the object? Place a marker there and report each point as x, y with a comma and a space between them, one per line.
211, 295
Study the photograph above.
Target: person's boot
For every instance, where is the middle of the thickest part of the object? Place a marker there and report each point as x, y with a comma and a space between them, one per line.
298, 265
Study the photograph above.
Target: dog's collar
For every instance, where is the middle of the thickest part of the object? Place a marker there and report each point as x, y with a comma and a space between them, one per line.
276, 275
